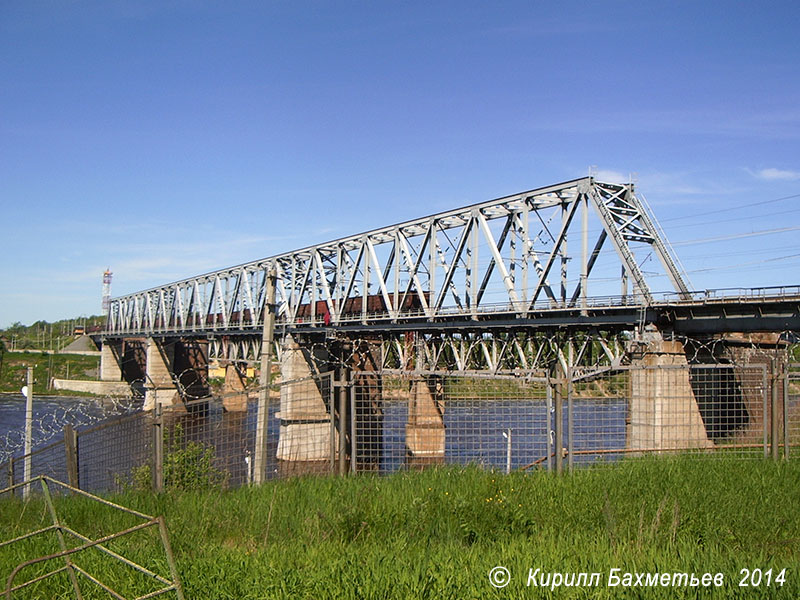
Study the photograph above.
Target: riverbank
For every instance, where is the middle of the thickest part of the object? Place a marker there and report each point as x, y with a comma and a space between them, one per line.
46, 368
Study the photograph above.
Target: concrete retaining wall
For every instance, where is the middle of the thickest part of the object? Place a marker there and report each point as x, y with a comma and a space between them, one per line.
103, 388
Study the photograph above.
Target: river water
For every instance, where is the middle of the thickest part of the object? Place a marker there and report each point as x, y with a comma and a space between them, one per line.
474, 434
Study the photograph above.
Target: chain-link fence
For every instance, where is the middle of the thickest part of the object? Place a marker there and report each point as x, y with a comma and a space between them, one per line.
792, 413
372, 423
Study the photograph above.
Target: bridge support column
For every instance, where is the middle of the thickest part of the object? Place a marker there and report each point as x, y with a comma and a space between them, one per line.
425, 431
663, 412
110, 361
234, 398
190, 366
304, 440
159, 385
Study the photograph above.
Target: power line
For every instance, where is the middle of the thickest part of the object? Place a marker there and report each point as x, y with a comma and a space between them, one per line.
736, 236
731, 208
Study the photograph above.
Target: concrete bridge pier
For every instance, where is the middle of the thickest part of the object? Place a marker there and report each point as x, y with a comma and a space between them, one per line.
122, 361
159, 386
663, 413
234, 397
190, 368
111, 361
425, 430
304, 438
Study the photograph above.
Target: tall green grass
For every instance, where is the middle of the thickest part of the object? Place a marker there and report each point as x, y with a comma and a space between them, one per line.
438, 533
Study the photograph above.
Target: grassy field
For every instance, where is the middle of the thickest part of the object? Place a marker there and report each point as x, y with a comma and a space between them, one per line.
438, 533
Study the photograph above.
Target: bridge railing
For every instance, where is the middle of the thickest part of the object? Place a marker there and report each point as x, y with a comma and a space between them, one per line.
733, 294
209, 324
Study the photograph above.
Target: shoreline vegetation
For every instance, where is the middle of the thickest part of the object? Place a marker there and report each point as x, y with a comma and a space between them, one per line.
438, 533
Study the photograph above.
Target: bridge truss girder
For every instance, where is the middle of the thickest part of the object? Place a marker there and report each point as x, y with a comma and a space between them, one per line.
518, 353
502, 255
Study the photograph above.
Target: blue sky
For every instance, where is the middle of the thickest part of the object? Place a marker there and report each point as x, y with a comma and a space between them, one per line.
166, 139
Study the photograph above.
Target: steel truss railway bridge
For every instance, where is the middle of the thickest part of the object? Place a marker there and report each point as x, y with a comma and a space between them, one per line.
562, 275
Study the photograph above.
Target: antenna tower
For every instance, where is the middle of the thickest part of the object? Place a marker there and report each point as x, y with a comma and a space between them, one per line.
106, 290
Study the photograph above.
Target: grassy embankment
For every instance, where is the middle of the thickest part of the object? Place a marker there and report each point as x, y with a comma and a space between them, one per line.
13, 370
438, 533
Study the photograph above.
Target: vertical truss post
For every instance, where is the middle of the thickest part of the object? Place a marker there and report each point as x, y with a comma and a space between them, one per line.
564, 257
585, 261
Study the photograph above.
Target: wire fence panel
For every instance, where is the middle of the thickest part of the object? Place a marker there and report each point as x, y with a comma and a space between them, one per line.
384, 423
602, 426
792, 419
307, 434
416, 421
116, 454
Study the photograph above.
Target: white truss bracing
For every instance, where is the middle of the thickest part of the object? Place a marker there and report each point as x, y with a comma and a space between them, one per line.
499, 354
506, 255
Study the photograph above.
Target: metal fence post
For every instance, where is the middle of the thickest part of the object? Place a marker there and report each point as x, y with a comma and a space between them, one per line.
332, 409
570, 421
158, 449
764, 391
343, 387
353, 440
786, 440
71, 455
774, 421
558, 406
549, 427
10, 466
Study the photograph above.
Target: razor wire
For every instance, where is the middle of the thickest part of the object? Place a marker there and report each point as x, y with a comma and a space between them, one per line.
75, 411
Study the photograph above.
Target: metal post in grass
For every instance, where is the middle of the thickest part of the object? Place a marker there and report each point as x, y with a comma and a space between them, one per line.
570, 421
158, 449
764, 390
28, 392
774, 421
558, 406
262, 417
71, 455
549, 427
507, 435
10, 474
785, 379
343, 401
332, 408
353, 441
